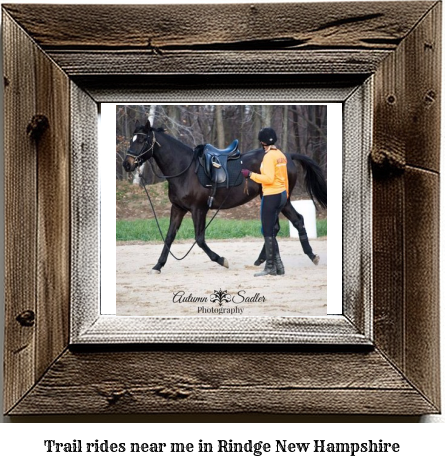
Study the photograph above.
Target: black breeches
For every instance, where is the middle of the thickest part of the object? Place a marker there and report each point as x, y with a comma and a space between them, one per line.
271, 206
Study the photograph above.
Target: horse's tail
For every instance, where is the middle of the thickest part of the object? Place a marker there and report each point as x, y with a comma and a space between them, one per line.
314, 181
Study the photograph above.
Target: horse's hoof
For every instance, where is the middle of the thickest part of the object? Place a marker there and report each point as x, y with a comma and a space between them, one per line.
259, 262
222, 261
154, 271
316, 260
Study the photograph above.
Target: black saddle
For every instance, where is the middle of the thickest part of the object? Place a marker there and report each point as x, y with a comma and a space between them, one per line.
214, 163
231, 151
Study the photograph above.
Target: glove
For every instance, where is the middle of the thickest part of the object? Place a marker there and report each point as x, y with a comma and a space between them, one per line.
245, 173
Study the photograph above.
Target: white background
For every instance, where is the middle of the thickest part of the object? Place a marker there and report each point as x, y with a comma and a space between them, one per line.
22, 440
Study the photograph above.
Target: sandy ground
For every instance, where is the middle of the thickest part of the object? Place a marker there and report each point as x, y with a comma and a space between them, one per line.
185, 288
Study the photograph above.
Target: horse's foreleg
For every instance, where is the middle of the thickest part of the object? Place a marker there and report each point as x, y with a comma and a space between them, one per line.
298, 222
176, 216
199, 218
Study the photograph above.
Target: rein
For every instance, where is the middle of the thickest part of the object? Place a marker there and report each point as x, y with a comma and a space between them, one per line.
139, 164
159, 227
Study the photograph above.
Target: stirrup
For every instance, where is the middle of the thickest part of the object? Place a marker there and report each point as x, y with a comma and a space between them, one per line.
216, 164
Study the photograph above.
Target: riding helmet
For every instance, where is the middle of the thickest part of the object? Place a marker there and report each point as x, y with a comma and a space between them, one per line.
267, 136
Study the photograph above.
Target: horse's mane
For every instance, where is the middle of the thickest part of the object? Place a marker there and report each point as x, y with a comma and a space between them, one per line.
198, 150
172, 139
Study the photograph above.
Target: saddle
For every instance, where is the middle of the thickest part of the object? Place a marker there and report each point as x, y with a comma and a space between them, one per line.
216, 166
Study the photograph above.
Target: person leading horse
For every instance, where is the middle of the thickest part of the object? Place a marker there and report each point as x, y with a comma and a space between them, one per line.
275, 186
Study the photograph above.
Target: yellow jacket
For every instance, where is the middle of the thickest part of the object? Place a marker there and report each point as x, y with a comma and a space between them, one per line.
273, 175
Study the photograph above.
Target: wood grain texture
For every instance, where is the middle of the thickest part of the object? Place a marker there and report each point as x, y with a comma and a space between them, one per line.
388, 268
53, 222
220, 382
406, 206
408, 99
423, 92
165, 39
37, 220
389, 143
341, 25
84, 204
422, 364
123, 63
219, 88
112, 329
357, 209
20, 213
398, 42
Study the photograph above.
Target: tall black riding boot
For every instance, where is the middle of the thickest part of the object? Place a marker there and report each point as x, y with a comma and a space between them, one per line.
262, 257
270, 267
278, 263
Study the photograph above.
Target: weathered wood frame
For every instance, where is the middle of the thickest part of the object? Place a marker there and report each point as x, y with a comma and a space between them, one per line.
354, 323
52, 67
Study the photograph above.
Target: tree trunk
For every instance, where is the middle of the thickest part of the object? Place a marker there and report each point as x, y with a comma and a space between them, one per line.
267, 116
220, 139
151, 114
285, 131
256, 122
296, 128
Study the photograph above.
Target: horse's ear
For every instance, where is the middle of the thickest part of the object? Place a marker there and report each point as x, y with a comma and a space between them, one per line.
148, 125
136, 124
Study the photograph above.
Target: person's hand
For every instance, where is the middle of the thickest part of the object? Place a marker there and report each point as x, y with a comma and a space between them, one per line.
245, 173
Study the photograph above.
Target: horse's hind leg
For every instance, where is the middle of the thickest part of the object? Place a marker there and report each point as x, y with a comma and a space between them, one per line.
298, 222
199, 218
176, 216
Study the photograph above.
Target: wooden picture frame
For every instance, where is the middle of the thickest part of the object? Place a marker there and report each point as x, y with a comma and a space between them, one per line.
56, 72
89, 325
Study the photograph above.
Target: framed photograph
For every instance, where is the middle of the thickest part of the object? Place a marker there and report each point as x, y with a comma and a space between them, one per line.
197, 283
86, 316
145, 216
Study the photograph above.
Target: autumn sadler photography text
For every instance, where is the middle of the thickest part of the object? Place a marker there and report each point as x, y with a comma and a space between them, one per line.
219, 297
257, 448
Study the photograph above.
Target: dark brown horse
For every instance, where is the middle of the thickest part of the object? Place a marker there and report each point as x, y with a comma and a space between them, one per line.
177, 162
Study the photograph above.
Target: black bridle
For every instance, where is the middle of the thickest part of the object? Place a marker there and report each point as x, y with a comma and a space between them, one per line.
146, 147
144, 150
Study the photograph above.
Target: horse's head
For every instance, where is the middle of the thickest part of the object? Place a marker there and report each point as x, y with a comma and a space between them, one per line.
141, 147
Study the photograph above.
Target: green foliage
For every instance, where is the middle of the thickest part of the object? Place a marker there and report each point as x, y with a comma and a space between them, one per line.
120, 195
322, 228
220, 228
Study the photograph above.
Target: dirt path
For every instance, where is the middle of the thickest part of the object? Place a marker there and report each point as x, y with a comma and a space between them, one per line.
185, 288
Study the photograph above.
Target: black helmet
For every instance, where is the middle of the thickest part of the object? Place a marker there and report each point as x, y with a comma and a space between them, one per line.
267, 136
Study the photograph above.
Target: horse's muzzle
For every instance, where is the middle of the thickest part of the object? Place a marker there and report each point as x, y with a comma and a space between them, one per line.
129, 166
